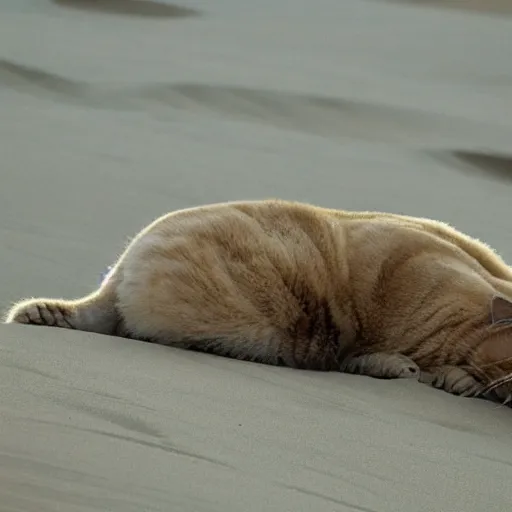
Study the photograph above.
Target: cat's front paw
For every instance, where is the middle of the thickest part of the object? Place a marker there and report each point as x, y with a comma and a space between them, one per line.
454, 380
382, 365
40, 312
409, 370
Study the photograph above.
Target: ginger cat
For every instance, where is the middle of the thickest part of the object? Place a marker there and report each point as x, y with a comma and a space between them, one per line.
291, 284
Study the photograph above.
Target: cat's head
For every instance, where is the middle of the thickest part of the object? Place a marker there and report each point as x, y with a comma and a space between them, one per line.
493, 357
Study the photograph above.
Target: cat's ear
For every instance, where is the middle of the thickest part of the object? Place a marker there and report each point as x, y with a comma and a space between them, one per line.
501, 310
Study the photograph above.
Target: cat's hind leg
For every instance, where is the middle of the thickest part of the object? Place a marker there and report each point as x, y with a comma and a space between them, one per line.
382, 366
94, 313
454, 380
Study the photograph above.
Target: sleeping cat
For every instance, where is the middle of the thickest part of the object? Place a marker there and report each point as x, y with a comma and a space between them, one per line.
291, 284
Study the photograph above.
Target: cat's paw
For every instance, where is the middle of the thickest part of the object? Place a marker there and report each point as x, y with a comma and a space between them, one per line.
453, 380
398, 366
408, 370
382, 365
41, 312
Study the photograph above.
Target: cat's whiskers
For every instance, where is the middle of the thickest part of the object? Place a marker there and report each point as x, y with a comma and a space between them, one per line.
501, 361
497, 383
493, 384
482, 374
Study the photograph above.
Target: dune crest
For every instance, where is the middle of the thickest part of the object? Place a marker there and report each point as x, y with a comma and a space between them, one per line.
139, 8
476, 6
312, 114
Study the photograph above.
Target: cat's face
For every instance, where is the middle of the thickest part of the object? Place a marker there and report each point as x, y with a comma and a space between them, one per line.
496, 371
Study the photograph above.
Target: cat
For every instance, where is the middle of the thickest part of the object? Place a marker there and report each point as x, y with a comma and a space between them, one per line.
292, 284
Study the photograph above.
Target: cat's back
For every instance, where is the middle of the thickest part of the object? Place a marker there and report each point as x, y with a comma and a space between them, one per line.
439, 233
294, 232
259, 250
249, 227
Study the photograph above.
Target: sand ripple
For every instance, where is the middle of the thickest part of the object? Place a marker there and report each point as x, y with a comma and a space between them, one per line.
317, 115
141, 8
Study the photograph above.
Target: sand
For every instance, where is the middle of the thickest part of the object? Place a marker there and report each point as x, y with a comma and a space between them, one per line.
114, 112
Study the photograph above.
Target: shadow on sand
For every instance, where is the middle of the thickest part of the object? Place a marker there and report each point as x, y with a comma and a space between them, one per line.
140, 8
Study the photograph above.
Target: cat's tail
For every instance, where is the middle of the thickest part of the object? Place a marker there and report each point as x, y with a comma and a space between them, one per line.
96, 312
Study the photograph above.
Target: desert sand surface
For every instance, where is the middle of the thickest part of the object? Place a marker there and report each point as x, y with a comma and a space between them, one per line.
114, 112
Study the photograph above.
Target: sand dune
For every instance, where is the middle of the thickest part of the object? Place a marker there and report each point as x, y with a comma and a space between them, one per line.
38, 82
319, 115
115, 112
98, 423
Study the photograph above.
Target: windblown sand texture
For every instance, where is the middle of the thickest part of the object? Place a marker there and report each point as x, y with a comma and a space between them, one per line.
116, 111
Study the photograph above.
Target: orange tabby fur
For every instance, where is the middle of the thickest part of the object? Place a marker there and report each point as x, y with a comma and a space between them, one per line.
292, 284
